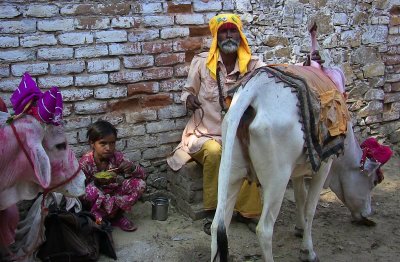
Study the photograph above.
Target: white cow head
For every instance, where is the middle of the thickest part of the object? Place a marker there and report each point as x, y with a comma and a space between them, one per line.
351, 182
53, 162
353, 186
62, 161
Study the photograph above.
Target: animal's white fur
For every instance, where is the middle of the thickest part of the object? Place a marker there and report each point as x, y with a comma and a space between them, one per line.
19, 180
277, 153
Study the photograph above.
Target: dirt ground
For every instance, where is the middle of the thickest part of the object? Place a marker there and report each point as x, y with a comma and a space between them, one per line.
335, 238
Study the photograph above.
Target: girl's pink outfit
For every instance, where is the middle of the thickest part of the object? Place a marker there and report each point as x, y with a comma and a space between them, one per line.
109, 199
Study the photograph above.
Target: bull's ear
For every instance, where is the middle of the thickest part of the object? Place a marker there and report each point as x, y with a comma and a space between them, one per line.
370, 167
41, 164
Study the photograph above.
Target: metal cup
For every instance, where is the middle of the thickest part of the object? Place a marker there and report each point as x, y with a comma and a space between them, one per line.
159, 208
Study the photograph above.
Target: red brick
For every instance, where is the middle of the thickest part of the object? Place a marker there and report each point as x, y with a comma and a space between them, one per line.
395, 10
142, 88
199, 31
106, 9
193, 43
189, 55
138, 103
182, 8
170, 59
114, 9
158, 100
391, 59
158, 73
88, 22
156, 48
129, 104
85, 9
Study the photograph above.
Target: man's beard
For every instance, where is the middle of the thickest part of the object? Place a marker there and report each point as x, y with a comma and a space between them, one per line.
229, 46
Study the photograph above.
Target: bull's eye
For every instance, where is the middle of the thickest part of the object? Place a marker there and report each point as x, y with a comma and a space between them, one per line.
61, 146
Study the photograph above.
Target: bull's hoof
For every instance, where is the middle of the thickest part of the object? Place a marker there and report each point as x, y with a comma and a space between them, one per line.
298, 232
305, 256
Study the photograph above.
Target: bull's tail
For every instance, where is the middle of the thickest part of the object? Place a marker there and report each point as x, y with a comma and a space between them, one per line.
240, 103
222, 243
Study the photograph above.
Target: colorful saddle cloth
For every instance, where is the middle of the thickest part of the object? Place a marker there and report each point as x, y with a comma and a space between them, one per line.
323, 110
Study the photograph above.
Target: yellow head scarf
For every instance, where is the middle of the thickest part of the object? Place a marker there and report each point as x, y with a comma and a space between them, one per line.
244, 52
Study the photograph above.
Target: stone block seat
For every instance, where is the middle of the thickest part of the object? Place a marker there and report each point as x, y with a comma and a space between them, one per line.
186, 187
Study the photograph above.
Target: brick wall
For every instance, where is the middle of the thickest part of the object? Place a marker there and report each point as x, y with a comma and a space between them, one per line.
126, 61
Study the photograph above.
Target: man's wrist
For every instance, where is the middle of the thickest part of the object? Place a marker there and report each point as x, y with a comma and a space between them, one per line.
184, 96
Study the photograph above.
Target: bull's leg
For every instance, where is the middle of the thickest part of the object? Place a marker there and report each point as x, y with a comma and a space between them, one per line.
273, 171
300, 195
221, 222
273, 193
229, 184
276, 142
307, 252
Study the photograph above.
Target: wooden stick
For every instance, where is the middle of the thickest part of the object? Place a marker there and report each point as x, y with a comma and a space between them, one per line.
113, 169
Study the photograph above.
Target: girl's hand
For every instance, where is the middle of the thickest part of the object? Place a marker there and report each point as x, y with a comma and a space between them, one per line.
125, 167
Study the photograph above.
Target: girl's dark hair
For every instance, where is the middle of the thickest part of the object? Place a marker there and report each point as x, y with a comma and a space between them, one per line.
100, 129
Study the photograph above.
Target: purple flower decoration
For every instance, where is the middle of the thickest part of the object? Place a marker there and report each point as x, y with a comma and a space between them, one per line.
50, 106
26, 92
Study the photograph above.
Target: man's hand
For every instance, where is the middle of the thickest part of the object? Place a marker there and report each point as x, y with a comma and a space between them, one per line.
192, 103
316, 57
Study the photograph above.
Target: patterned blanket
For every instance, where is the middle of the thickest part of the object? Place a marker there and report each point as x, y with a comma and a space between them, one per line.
323, 110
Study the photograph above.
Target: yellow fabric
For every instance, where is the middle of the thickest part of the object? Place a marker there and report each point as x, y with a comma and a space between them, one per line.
334, 112
244, 52
248, 202
209, 156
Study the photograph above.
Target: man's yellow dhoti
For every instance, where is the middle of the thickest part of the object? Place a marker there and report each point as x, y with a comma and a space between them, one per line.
248, 203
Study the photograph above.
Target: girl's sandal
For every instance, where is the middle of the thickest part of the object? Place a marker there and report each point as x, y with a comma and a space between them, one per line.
124, 224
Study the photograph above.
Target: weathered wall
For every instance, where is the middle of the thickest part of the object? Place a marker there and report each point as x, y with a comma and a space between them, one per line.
360, 37
126, 61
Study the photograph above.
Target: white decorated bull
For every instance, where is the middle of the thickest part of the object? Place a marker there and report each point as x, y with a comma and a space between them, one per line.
35, 156
351, 183
53, 161
273, 149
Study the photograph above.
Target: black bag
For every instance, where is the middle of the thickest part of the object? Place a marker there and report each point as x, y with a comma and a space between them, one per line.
75, 237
